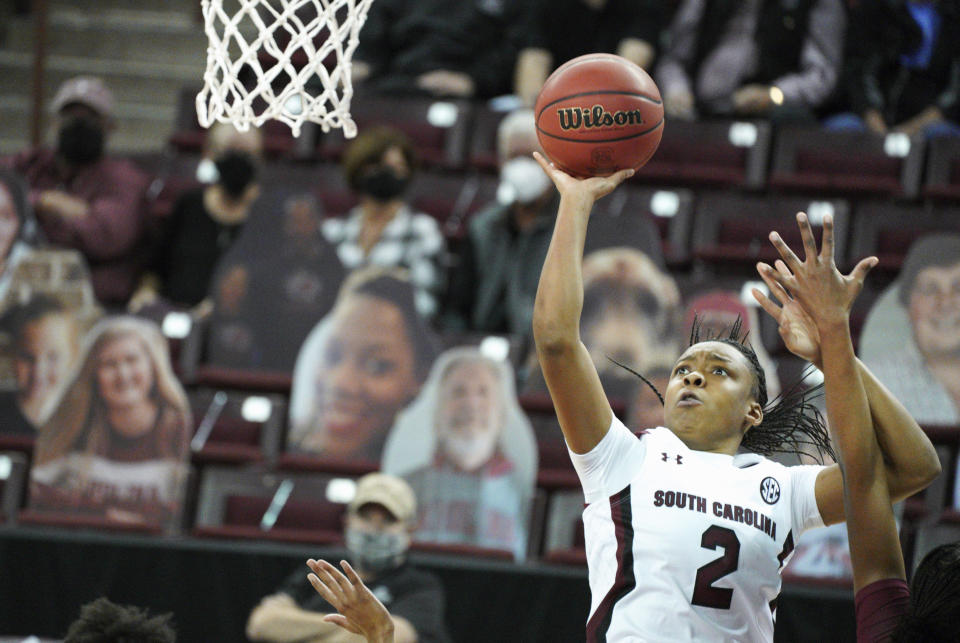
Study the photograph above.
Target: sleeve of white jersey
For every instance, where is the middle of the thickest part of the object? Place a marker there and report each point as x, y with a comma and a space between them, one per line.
805, 514
611, 465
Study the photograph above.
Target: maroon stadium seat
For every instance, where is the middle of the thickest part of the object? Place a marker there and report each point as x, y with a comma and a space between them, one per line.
812, 159
943, 169
230, 429
232, 504
888, 230
732, 230
655, 221
437, 128
482, 154
710, 154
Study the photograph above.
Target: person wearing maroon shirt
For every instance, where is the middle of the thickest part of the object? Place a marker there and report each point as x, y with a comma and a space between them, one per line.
83, 198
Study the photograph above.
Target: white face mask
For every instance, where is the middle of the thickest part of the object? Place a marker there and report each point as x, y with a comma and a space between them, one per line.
207, 171
521, 181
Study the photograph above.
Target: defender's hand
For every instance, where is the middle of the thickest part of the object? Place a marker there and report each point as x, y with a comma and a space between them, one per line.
825, 294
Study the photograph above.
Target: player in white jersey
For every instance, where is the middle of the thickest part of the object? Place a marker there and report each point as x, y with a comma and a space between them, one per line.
685, 538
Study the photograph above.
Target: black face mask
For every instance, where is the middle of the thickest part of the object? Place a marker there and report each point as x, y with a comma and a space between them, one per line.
237, 171
383, 183
80, 142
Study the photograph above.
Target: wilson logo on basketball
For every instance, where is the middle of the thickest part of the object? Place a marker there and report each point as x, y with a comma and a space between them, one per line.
596, 116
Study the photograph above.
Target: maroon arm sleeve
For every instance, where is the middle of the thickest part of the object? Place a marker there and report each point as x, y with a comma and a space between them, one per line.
880, 606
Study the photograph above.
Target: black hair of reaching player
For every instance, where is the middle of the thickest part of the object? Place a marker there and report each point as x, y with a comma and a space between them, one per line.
791, 422
102, 621
934, 599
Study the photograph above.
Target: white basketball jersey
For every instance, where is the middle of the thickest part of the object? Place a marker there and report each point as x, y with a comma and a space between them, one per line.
685, 545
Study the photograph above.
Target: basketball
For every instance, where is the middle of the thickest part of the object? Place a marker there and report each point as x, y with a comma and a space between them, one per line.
598, 114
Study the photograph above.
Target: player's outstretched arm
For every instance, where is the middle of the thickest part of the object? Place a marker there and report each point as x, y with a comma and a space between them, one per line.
359, 610
582, 407
910, 460
827, 296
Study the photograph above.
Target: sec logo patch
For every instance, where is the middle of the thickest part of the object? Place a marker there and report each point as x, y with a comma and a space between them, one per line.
770, 490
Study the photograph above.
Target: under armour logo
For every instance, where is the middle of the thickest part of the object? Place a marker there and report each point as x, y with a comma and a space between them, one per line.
667, 456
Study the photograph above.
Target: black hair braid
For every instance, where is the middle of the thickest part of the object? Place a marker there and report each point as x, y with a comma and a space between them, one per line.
791, 422
645, 380
934, 599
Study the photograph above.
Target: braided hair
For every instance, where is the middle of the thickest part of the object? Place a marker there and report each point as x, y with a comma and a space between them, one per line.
934, 599
791, 422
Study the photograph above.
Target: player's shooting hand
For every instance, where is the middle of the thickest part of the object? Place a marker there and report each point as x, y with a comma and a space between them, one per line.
825, 294
590, 189
359, 610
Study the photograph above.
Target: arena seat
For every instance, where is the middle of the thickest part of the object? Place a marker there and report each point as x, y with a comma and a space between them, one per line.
89, 523
188, 136
482, 153
438, 128
812, 159
456, 549
234, 427
448, 198
887, 230
233, 503
732, 230
710, 154
13, 480
655, 221
943, 169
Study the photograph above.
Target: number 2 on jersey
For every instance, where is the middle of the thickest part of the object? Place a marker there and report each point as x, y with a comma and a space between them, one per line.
704, 593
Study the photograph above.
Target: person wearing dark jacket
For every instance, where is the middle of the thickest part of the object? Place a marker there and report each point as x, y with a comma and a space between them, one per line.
777, 58
441, 48
903, 72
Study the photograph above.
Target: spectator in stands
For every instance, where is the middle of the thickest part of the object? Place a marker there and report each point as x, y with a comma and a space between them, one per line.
495, 277
751, 58
904, 70
460, 49
102, 621
45, 344
384, 230
358, 368
204, 223
84, 198
379, 521
469, 453
911, 338
116, 441
18, 228
559, 31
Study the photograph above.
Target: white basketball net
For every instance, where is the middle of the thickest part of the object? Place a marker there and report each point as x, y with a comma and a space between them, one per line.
239, 32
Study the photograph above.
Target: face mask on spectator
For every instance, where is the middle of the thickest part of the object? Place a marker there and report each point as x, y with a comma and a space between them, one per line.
521, 181
376, 551
236, 171
80, 141
383, 183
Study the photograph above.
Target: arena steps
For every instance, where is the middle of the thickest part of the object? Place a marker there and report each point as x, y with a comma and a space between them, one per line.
144, 51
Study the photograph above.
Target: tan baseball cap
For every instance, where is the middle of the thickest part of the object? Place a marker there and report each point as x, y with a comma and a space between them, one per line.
393, 493
86, 90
